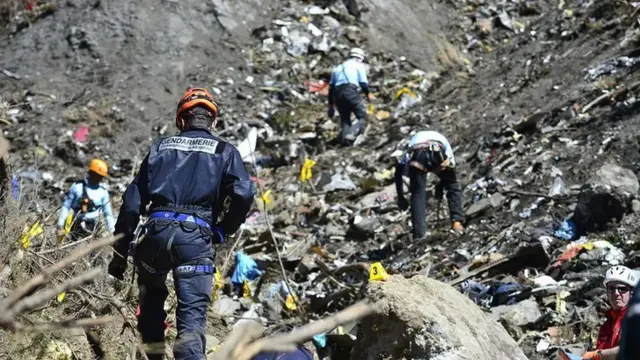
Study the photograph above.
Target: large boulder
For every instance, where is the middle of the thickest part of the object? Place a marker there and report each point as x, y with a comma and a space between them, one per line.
605, 197
421, 318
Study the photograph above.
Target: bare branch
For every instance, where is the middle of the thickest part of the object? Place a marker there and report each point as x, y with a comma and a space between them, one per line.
46, 273
35, 300
67, 324
244, 332
71, 244
236, 347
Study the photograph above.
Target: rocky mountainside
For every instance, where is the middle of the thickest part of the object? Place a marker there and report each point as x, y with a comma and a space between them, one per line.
538, 98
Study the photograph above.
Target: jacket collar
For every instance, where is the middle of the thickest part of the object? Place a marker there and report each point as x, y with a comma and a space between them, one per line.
197, 129
616, 314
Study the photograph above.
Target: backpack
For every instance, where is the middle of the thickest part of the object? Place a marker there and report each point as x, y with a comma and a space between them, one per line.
86, 204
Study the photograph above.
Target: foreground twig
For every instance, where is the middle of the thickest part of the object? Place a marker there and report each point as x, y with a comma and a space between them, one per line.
225, 265
16, 303
80, 323
71, 244
237, 346
13, 244
114, 302
38, 299
46, 273
273, 238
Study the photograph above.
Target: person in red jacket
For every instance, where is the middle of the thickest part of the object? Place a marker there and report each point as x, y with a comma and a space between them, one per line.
619, 282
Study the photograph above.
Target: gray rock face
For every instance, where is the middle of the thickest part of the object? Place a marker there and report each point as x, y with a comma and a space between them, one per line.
620, 180
522, 314
421, 318
391, 20
605, 197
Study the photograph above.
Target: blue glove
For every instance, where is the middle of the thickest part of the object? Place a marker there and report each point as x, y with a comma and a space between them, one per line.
331, 112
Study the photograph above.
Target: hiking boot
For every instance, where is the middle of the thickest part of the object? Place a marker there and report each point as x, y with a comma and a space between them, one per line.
424, 237
457, 227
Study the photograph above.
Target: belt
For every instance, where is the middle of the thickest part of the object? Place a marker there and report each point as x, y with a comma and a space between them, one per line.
179, 217
188, 218
348, 84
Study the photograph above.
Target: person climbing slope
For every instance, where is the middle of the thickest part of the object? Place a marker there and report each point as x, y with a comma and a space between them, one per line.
87, 199
347, 80
429, 151
185, 178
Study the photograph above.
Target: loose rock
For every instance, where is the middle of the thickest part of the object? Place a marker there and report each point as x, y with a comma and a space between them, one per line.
424, 318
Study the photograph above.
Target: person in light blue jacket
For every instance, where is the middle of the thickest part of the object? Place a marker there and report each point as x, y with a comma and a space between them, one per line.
347, 81
88, 199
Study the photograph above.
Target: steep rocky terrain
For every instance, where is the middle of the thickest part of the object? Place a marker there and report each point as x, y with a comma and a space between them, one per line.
528, 92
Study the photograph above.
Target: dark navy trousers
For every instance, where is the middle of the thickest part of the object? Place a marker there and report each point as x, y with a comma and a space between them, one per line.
185, 249
629, 347
348, 100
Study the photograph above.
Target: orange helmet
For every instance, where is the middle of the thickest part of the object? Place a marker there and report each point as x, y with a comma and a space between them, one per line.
99, 167
194, 97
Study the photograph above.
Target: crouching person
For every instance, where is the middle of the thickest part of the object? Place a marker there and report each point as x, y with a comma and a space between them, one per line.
429, 151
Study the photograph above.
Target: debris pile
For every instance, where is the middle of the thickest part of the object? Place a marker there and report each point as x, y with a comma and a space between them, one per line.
537, 99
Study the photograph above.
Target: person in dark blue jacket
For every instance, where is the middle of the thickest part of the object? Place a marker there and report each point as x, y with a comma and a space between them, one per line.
187, 181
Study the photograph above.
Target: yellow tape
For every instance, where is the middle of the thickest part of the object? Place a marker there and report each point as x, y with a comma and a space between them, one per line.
35, 230
306, 174
266, 197
67, 223
218, 284
405, 91
290, 303
246, 291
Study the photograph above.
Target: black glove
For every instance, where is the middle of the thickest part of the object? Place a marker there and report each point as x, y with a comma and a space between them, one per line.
117, 267
331, 112
403, 204
439, 191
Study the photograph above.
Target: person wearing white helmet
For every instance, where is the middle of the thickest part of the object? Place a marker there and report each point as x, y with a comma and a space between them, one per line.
619, 281
347, 80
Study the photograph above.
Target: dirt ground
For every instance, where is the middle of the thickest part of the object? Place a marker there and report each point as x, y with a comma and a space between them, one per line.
119, 66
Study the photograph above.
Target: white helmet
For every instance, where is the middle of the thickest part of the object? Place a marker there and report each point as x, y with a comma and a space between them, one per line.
621, 274
357, 53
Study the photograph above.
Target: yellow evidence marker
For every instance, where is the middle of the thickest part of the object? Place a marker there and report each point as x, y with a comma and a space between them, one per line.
377, 272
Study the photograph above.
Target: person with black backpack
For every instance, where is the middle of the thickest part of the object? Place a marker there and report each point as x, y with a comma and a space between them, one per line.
429, 151
85, 201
